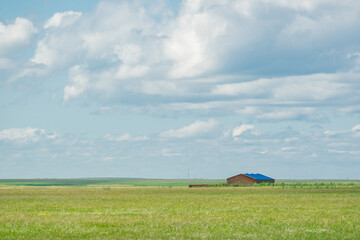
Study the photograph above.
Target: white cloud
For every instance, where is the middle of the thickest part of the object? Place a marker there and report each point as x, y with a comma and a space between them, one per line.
15, 35
116, 25
332, 133
356, 128
288, 148
355, 131
196, 129
244, 128
166, 152
210, 58
125, 71
62, 19
24, 135
126, 137
295, 113
44, 54
252, 88
79, 83
311, 89
314, 87
291, 149
26, 72
192, 41
129, 54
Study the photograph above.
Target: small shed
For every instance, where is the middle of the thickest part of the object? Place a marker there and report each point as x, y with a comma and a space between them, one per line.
249, 179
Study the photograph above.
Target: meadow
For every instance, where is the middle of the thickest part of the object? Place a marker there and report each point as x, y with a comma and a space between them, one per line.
142, 182
99, 182
283, 211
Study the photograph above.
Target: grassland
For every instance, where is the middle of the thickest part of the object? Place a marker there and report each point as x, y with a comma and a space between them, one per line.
108, 182
141, 182
288, 211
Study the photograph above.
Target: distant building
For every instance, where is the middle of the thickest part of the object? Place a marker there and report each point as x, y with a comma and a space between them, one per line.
249, 179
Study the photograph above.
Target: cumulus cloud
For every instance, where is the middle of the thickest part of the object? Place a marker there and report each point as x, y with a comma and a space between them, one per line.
79, 83
269, 60
24, 135
44, 54
193, 39
129, 54
241, 60
196, 129
62, 19
15, 35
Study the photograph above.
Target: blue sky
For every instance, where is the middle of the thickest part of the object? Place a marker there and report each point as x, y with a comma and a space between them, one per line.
152, 89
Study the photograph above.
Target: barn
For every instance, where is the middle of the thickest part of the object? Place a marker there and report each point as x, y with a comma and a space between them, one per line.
249, 179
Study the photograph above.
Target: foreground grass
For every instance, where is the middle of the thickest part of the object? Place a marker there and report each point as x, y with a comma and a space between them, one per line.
179, 213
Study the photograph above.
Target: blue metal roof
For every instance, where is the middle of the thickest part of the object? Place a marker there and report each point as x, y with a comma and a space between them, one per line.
258, 176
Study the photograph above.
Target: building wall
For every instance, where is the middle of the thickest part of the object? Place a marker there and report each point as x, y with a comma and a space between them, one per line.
240, 179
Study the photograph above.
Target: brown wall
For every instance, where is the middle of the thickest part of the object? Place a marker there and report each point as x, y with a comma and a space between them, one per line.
240, 179
243, 179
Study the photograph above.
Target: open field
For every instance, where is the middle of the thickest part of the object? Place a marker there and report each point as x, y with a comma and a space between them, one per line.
103, 182
272, 212
107, 182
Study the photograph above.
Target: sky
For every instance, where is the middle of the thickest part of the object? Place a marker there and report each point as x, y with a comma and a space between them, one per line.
154, 89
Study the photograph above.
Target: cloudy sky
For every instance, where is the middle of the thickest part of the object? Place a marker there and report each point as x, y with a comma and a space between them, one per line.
101, 88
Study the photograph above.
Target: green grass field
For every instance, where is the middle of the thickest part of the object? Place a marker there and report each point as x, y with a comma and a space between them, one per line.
108, 182
284, 211
126, 182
